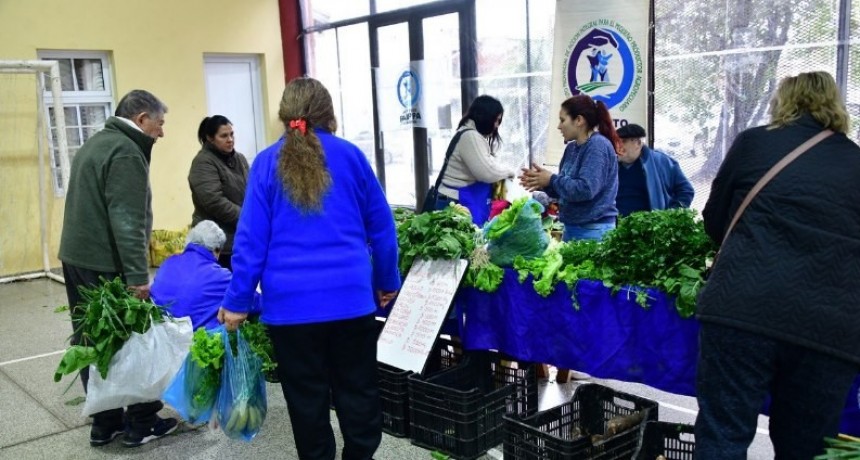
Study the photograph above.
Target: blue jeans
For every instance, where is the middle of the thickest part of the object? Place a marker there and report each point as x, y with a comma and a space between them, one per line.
586, 231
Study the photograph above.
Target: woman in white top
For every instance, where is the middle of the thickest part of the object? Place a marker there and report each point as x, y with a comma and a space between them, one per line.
473, 167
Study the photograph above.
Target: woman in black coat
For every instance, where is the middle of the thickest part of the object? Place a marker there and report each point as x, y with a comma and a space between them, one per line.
780, 313
217, 178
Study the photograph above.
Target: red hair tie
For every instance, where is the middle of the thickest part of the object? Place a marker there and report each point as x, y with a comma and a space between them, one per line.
299, 124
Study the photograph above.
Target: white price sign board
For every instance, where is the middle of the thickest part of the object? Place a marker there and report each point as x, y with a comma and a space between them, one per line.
415, 319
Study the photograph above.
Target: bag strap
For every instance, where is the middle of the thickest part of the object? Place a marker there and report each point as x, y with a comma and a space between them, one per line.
448, 154
773, 171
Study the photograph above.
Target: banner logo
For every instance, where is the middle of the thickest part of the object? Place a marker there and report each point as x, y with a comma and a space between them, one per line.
409, 94
603, 61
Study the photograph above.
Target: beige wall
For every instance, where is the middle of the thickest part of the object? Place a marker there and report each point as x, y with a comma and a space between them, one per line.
156, 45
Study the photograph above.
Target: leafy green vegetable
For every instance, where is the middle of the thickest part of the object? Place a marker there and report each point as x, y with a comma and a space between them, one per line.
666, 250
504, 221
207, 355
446, 234
402, 214
76, 401
487, 278
847, 448
203, 372
207, 350
663, 249
106, 318
255, 334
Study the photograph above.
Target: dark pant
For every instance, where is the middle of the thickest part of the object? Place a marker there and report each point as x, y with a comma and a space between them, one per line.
321, 363
737, 370
224, 260
139, 416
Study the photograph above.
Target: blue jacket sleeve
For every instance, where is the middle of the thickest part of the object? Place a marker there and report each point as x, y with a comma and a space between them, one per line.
682, 189
588, 180
252, 235
381, 235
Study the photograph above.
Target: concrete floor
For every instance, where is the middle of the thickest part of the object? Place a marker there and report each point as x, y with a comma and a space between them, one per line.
40, 420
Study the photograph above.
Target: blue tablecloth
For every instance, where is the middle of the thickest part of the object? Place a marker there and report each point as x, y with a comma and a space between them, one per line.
609, 336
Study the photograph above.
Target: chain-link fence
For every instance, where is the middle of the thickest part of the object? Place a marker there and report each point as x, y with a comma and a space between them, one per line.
718, 63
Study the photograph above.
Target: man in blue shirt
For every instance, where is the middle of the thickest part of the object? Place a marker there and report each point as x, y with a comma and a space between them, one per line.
193, 283
648, 179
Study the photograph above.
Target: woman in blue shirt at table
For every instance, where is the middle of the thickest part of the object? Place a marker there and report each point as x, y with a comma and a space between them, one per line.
313, 212
587, 182
473, 166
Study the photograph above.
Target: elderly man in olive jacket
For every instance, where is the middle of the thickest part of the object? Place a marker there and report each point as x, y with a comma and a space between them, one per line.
106, 229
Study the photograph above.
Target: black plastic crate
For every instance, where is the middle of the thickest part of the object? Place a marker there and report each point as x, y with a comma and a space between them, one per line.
394, 385
459, 411
579, 429
674, 441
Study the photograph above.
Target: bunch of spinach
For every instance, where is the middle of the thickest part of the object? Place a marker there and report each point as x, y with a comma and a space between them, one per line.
106, 318
664, 249
446, 234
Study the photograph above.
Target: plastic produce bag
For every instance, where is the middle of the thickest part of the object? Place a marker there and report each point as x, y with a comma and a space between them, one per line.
141, 369
194, 391
242, 399
516, 231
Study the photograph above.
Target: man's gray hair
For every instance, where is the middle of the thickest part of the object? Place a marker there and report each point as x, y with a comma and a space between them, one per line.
207, 234
139, 101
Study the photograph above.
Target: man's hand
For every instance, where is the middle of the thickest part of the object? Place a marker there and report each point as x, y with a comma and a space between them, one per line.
231, 320
383, 298
140, 291
535, 178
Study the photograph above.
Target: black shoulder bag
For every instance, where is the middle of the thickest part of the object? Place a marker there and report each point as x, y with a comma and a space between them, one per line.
431, 199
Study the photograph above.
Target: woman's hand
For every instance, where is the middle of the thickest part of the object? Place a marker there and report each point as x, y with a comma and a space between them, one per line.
535, 178
383, 298
231, 320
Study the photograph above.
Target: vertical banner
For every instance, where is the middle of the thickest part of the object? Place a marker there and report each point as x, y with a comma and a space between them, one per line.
600, 50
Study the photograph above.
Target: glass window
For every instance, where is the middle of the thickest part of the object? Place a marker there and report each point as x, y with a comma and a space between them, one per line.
709, 86
87, 102
514, 66
328, 11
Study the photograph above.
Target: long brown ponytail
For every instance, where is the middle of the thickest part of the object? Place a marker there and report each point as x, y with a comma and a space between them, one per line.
595, 113
305, 105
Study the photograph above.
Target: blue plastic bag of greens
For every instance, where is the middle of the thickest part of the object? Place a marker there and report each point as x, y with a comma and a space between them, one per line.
242, 400
194, 390
517, 231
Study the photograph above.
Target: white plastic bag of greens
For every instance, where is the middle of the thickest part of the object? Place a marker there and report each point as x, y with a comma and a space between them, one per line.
142, 369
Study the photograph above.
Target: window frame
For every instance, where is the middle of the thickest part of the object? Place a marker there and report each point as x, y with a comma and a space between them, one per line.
75, 99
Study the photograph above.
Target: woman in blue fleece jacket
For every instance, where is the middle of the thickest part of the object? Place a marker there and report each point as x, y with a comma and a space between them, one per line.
587, 179
313, 213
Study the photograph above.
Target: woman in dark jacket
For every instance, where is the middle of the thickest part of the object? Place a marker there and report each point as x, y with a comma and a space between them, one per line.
217, 179
780, 313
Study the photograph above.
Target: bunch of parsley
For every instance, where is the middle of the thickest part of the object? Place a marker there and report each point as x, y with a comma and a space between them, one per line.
665, 249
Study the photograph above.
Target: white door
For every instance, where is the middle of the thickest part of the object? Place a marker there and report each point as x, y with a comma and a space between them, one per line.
233, 90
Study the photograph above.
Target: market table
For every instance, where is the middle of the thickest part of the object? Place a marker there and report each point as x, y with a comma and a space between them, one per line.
610, 337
